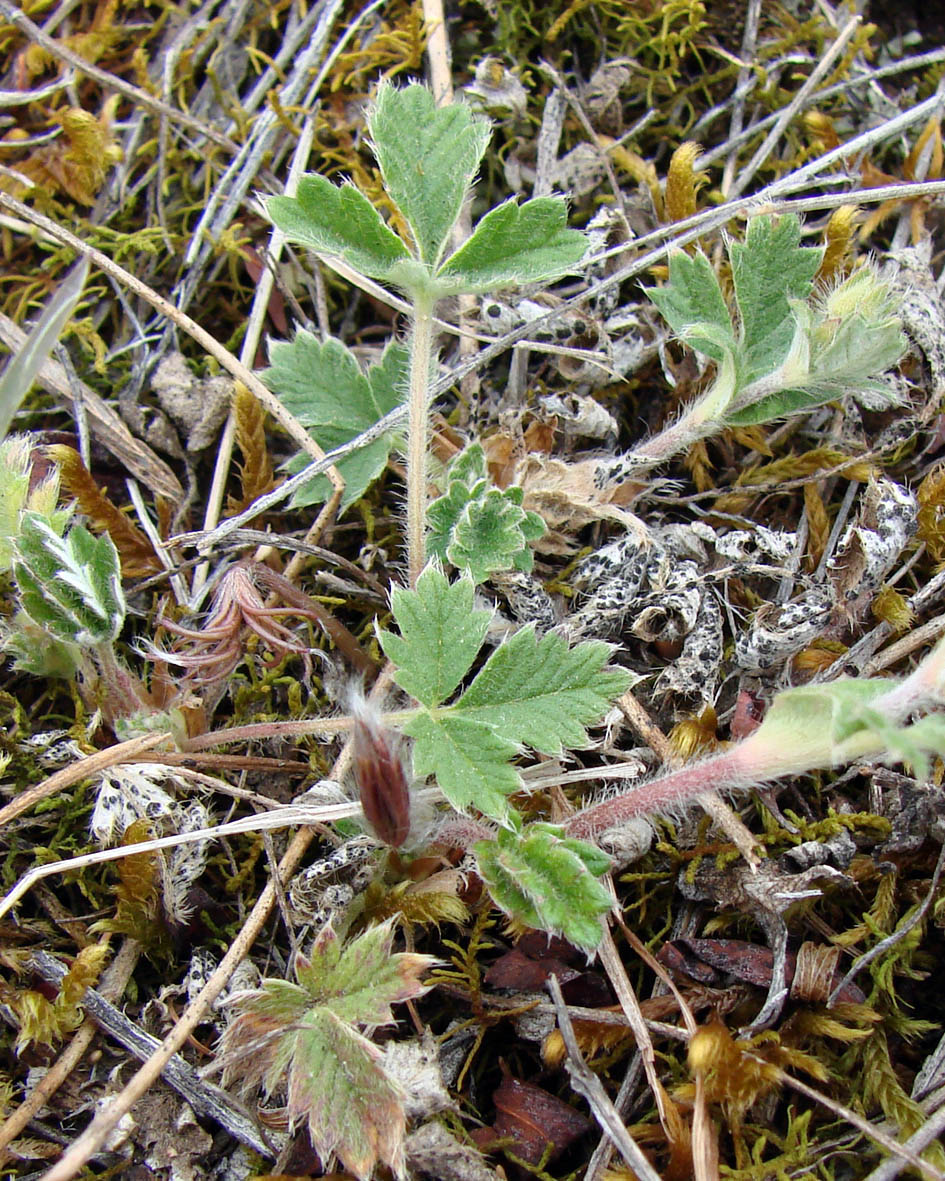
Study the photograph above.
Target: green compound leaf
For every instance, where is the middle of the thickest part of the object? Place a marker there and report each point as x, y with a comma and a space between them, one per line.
490, 535
471, 762
428, 156
478, 528
470, 465
515, 244
69, 586
543, 693
339, 221
323, 386
530, 692
361, 981
303, 1035
440, 635
692, 303
540, 879
769, 269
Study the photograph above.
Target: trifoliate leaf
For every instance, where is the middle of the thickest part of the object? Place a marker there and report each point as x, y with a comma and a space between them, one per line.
70, 586
471, 761
539, 693
488, 536
440, 635
361, 981
304, 1034
693, 298
543, 693
323, 386
428, 156
339, 221
769, 269
540, 879
515, 244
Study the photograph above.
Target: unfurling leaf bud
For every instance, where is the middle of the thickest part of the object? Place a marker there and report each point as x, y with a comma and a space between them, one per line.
381, 777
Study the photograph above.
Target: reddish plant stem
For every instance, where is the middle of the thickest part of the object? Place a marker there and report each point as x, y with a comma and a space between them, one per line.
722, 772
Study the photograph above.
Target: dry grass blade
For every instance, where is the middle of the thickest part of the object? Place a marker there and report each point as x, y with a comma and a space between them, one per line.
203, 338
137, 457
589, 1085
23, 367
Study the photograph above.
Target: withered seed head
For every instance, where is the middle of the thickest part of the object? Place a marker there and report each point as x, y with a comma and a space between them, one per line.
381, 778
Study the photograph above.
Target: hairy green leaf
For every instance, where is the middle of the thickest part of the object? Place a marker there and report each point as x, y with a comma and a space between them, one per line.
443, 514
322, 384
543, 693
361, 981
428, 156
440, 634
339, 221
470, 465
490, 535
543, 880
470, 760
338, 1085
539, 693
69, 586
769, 269
692, 299
478, 528
843, 342
304, 1034
515, 244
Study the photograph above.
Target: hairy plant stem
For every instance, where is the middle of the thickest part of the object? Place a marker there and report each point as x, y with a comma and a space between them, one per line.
769, 753
421, 350
122, 692
680, 787
698, 420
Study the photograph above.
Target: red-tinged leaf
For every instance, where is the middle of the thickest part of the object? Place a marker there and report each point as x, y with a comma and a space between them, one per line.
534, 1118
276, 305
538, 945
749, 711
360, 983
304, 1035
255, 1051
353, 1108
